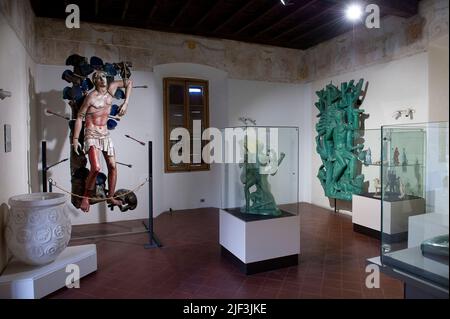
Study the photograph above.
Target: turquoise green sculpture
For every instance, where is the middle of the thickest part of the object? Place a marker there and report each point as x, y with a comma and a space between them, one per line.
258, 197
338, 126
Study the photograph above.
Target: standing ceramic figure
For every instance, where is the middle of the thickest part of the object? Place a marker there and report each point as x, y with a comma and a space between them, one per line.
396, 156
368, 159
401, 190
404, 161
418, 176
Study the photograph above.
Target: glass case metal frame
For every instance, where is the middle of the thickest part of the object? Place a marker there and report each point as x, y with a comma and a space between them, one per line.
234, 197
414, 175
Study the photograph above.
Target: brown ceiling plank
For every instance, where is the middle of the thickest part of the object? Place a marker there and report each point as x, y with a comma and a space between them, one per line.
67, 2
36, 5
271, 9
149, 19
340, 20
303, 23
320, 27
181, 13
333, 30
125, 10
290, 15
208, 14
400, 8
235, 14
238, 20
96, 7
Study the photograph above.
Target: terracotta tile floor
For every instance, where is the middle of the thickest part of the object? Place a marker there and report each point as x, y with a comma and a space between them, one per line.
332, 262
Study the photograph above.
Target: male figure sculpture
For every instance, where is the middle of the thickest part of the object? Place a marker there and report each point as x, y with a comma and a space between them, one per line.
256, 175
95, 111
396, 157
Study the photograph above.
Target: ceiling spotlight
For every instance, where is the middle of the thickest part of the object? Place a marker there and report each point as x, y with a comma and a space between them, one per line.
286, 2
354, 12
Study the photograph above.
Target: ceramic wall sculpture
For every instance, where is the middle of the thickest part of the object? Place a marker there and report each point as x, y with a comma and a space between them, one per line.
340, 119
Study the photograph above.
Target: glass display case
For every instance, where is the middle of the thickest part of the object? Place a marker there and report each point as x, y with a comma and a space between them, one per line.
415, 202
370, 159
261, 171
259, 225
366, 212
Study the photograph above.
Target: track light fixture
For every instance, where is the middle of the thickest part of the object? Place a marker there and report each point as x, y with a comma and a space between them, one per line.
246, 120
4, 94
409, 113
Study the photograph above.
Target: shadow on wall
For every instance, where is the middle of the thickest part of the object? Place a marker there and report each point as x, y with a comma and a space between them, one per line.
4, 254
35, 134
50, 128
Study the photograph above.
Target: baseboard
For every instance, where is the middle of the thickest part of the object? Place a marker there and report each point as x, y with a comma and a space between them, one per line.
367, 231
260, 266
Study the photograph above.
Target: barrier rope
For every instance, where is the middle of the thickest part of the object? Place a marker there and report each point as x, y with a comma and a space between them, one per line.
99, 199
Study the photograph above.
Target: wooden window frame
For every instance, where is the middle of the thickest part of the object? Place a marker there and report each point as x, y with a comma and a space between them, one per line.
183, 167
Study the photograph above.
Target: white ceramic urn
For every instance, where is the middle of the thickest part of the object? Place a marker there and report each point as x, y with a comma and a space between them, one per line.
38, 227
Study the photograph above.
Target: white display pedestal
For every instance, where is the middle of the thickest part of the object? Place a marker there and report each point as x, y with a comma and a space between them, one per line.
21, 281
426, 226
367, 214
262, 244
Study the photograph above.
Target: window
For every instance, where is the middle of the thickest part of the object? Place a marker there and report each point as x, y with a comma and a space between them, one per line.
185, 100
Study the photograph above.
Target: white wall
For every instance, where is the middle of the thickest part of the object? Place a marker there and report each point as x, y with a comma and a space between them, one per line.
185, 190
395, 85
392, 86
437, 168
275, 104
143, 121
437, 162
439, 79
16, 69
139, 122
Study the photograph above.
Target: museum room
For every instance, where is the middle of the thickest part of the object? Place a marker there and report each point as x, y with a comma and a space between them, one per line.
224, 149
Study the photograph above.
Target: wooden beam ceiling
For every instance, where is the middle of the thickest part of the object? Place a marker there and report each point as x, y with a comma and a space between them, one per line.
302, 24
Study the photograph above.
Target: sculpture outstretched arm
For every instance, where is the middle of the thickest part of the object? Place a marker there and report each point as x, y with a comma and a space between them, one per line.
282, 156
128, 85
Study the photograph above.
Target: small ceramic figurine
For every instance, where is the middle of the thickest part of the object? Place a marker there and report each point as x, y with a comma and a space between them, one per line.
417, 174
377, 186
396, 155
392, 182
404, 161
401, 187
368, 159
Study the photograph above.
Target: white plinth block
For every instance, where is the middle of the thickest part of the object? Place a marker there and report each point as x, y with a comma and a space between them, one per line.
366, 212
21, 281
394, 224
396, 214
259, 241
